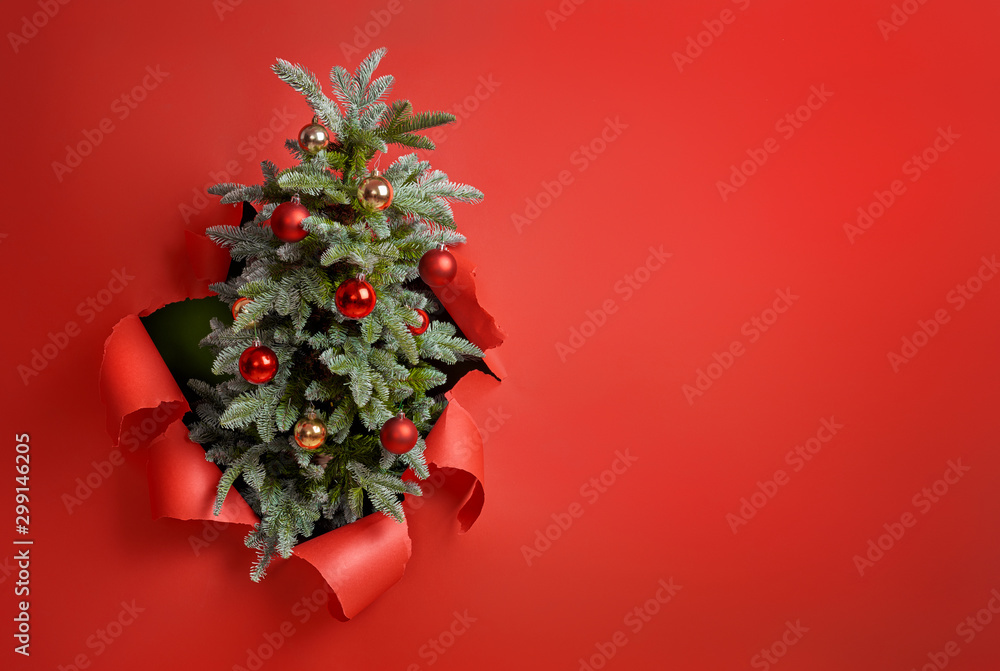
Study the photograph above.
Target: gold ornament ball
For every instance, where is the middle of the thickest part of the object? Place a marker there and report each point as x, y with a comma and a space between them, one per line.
313, 137
310, 432
376, 191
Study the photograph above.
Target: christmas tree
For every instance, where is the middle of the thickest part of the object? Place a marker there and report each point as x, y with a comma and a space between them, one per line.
331, 347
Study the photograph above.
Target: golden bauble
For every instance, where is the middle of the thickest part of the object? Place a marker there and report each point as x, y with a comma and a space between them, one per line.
314, 137
310, 432
375, 191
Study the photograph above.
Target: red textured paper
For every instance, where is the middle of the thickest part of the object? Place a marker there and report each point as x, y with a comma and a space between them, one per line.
183, 484
135, 379
359, 561
209, 262
455, 443
524, 133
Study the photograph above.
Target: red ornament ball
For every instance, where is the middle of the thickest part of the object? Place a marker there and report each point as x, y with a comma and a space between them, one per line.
239, 306
438, 267
425, 321
399, 434
375, 191
355, 298
286, 221
258, 364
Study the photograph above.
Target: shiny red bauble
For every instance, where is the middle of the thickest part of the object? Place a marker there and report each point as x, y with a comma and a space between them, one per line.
286, 221
258, 364
399, 434
425, 321
355, 298
239, 306
438, 267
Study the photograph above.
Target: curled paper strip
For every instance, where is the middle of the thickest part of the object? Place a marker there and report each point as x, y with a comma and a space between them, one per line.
136, 384
460, 300
358, 561
455, 443
182, 483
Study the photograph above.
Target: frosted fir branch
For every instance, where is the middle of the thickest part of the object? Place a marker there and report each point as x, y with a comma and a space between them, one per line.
228, 236
425, 378
306, 83
369, 139
400, 125
437, 236
411, 199
412, 140
355, 501
394, 317
372, 116
346, 91
376, 90
269, 171
295, 150
412, 123
440, 187
237, 193
315, 182
367, 67
387, 365
286, 414
416, 460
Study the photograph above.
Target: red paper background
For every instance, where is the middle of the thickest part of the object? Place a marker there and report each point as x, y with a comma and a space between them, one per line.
557, 421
